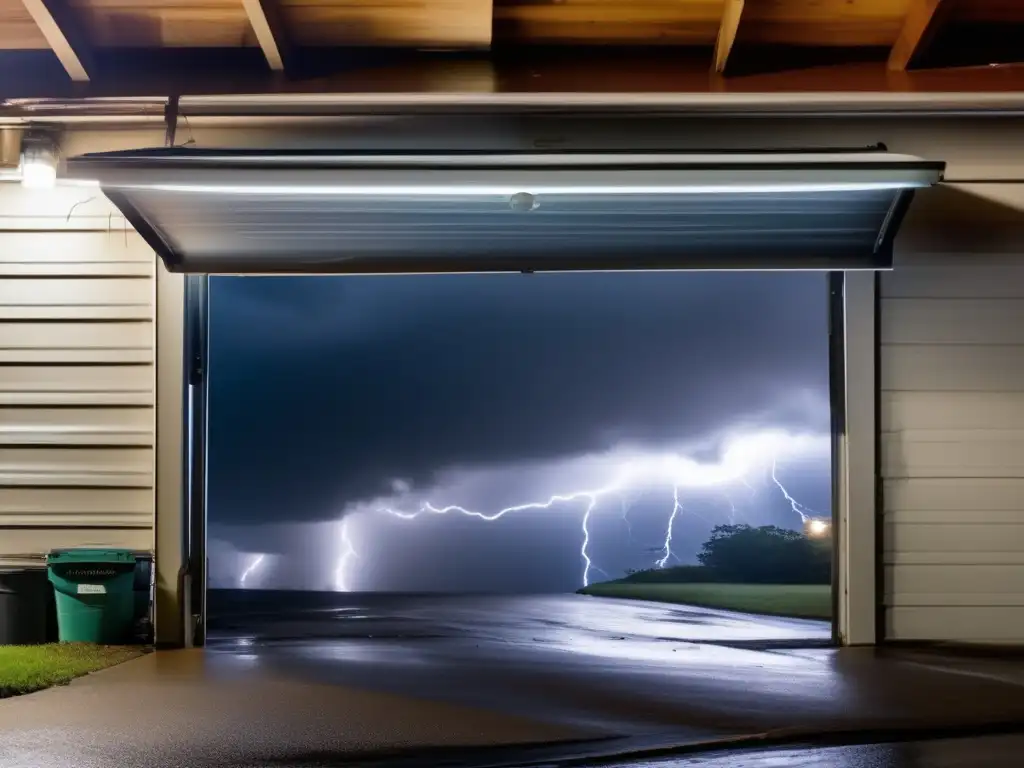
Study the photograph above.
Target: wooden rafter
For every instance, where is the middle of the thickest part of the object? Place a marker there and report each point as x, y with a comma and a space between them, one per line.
919, 26
653, 74
63, 33
727, 29
268, 24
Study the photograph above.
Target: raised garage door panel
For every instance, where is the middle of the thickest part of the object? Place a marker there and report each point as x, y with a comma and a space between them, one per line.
308, 212
76, 376
952, 420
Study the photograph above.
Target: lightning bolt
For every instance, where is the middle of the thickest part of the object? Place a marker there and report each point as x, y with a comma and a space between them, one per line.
633, 475
753, 490
587, 564
803, 510
626, 504
249, 569
560, 498
676, 509
732, 507
348, 552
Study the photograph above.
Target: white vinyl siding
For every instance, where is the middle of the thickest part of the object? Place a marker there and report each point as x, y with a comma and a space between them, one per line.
951, 327
77, 355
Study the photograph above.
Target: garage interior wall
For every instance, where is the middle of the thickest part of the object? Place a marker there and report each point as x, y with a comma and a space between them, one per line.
77, 349
951, 319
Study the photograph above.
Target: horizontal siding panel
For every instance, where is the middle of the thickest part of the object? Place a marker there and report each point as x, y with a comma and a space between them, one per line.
125, 467
952, 410
951, 453
942, 580
993, 281
968, 537
969, 225
941, 495
78, 385
970, 559
79, 269
64, 208
31, 542
28, 342
957, 623
967, 600
77, 426
945, 368
129, 502
75, 254
953, 321
76, 299
961, 515
77, 375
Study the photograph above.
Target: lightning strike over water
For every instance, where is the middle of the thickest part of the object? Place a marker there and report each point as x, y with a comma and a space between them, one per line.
249, 569
587, 564
636, 475
348, 552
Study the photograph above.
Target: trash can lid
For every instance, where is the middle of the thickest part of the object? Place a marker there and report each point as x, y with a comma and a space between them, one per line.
91, 555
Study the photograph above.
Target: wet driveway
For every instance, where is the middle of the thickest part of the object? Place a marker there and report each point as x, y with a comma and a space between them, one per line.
334, 679
615, 666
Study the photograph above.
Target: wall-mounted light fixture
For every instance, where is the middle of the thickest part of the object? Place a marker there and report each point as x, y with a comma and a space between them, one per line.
38, 160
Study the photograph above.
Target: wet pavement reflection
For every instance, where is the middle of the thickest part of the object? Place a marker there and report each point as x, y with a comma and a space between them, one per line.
613, 665
975, 752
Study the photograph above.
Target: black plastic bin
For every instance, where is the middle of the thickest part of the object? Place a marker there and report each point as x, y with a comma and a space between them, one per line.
28, 612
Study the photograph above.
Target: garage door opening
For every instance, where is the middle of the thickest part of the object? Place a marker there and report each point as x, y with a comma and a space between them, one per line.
509, 440
247, 213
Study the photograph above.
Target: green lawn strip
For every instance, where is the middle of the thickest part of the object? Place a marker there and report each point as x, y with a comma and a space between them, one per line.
803, 601
27, 668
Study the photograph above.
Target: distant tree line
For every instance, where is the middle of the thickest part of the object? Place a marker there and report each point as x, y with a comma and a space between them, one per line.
743, 554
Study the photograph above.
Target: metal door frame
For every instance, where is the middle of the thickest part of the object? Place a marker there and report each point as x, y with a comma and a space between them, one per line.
196, 431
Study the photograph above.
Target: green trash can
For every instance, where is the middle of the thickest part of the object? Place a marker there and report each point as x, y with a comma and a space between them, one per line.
95, 594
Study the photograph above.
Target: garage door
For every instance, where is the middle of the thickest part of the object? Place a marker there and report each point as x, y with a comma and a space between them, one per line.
215, 211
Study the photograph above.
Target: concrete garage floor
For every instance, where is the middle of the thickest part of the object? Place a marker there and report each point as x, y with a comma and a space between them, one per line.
423, 674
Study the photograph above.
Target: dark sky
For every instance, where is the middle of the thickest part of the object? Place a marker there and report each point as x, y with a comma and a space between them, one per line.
328, 394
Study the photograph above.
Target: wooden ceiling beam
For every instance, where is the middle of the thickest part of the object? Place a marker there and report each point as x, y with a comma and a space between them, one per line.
268, 23
919, 26
654, 75
728, 27
63, 33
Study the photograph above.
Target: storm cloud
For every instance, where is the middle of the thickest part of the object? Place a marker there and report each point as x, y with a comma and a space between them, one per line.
325, 391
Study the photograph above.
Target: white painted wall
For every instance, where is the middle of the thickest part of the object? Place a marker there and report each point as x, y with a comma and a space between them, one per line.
77, 353
952, 418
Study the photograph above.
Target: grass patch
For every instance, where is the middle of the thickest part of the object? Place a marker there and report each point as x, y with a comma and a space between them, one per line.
27, 668
802, 601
